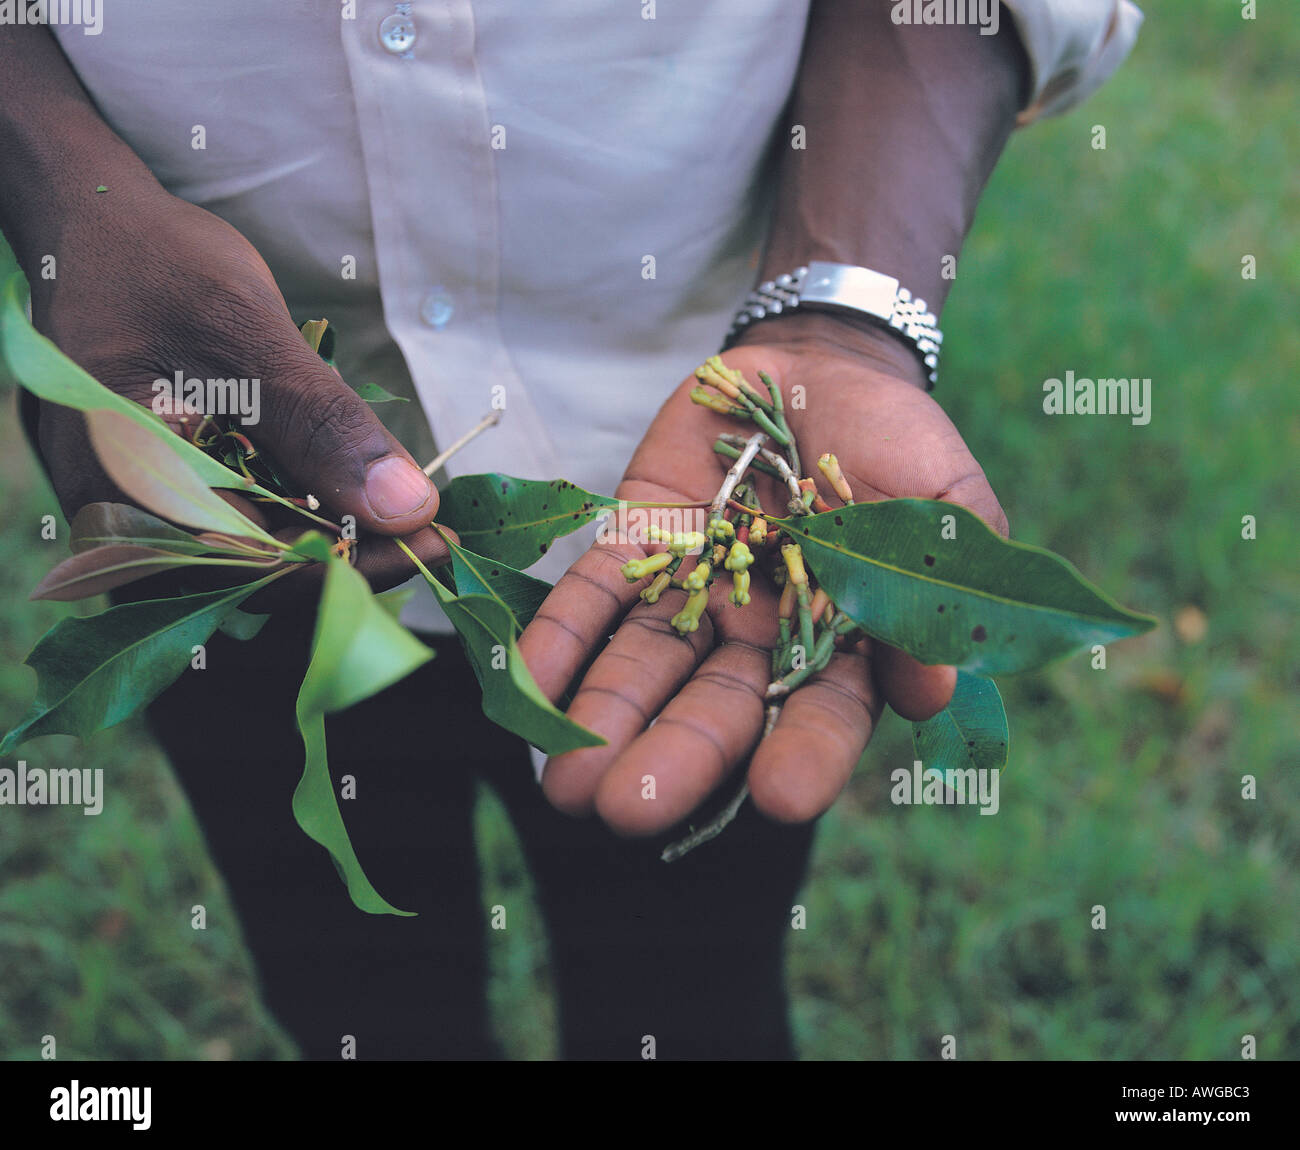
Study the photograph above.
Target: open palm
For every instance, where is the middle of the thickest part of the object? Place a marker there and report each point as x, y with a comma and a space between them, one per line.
703, 693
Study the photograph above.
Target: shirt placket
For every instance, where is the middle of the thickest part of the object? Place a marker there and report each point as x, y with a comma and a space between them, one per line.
426, 139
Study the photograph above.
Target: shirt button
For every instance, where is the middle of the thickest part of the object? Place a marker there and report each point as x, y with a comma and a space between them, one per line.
436, 308
397, 33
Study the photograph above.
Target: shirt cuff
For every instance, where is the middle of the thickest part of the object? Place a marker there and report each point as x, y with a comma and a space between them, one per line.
1073, 47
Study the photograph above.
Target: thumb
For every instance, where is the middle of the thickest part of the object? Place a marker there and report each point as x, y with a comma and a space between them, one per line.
326, 440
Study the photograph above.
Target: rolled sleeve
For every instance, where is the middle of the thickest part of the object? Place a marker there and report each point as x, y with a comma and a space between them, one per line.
1073, 47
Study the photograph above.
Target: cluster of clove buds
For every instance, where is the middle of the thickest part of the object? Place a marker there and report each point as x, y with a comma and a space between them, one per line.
740, 535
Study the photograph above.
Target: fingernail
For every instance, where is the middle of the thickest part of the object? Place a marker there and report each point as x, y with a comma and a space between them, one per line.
395, 488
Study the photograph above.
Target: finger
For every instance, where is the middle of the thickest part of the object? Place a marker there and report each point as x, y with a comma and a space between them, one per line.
633, 677
384, 564
329, 443
913, 689
710, 726
804, 763
578, 616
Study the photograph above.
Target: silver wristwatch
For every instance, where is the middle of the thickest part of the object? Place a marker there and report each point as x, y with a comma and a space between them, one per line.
850, 291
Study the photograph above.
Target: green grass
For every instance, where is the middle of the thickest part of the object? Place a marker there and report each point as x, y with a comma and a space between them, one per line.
96, 946
1124, 785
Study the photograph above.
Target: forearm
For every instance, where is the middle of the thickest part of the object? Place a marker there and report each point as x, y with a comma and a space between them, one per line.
902, 127
55, 150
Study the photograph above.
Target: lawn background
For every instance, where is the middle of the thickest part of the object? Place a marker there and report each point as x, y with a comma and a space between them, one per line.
1124, 785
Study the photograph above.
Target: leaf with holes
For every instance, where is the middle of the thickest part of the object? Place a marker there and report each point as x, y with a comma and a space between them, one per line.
521, 594
516, 520
974, 600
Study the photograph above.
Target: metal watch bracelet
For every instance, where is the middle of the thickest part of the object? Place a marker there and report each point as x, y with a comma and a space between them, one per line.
851, 291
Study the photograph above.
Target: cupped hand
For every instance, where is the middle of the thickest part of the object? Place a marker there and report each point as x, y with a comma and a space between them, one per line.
680, 714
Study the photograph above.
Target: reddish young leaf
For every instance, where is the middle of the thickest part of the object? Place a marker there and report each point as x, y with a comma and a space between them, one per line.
103, 568
149, 472
105, 524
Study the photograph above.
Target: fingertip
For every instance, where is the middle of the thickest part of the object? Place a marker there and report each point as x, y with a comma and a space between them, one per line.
784, 797
914, 690
628, 810
567, 788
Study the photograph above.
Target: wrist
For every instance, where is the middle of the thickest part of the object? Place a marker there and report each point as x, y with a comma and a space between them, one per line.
846, 337
55, 151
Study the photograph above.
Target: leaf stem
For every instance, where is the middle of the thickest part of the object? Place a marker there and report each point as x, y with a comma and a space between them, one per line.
271, 496
490, 420
805, 621
790, 478
710, 830
778, 417
723, 448
411, 555
752, 447
821, 655
231, 544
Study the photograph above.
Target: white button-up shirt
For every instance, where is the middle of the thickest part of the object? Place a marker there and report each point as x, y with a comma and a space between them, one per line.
554, 205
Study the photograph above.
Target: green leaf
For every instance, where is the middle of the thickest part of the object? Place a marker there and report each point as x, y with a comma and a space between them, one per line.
511, 698
970, 732
519, 593
395, 601
515, 520
357, 651
101, 569
373, 393
95, 672
36, 365
313, 331
313, 545
243, 625
142, 465
320, 338
975, 601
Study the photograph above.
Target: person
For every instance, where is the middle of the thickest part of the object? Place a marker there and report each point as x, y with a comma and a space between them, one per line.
555, 209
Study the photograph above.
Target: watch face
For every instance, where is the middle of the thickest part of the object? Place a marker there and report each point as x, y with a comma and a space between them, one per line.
859, 289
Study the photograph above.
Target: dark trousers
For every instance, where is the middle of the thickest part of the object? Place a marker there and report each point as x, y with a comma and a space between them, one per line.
688, 952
